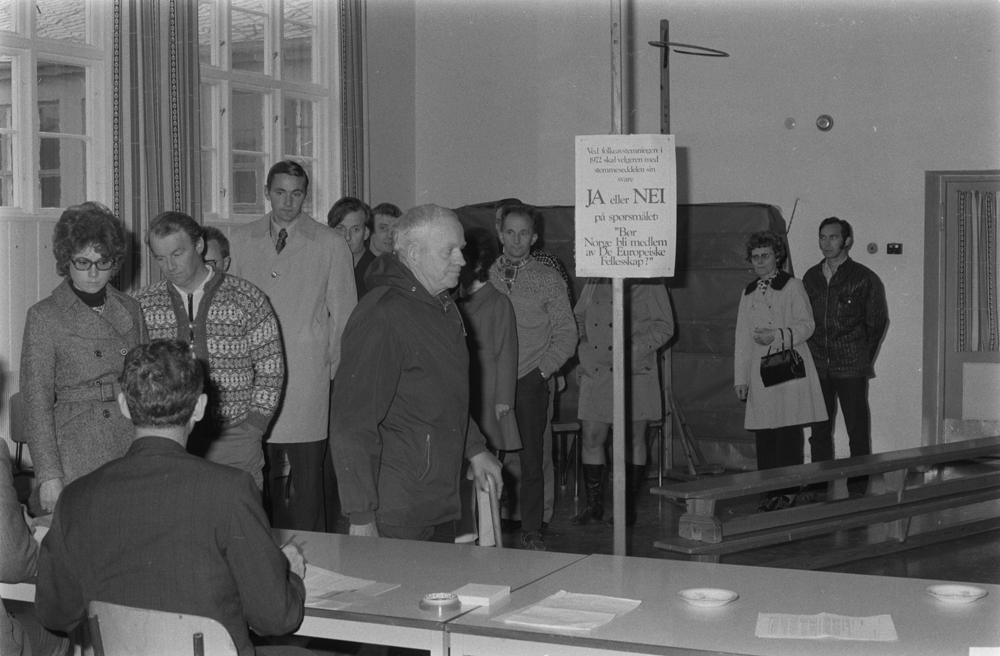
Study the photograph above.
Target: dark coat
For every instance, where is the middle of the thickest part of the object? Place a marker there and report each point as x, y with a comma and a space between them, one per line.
404, 385
492, 341
851, 317
71, 362
165, 530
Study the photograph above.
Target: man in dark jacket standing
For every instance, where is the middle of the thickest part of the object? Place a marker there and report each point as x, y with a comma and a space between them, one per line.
403, 383
849, 306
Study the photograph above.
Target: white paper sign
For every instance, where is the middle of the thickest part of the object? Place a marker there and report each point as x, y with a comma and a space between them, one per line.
626, 206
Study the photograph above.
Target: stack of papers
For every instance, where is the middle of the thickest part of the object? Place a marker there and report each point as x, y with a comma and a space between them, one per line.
570, 611
333, 591
825, 625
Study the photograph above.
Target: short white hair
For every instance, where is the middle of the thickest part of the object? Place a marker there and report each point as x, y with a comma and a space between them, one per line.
414, 223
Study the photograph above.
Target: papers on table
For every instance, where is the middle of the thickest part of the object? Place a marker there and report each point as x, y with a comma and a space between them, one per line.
333, 591
570, 611
825, 625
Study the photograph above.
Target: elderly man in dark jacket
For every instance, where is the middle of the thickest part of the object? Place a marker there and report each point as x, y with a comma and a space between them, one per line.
403, 390
849, 306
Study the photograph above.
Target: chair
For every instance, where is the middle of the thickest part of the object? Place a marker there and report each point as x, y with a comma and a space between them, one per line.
489, 517
125, 631
560, 429
16, 414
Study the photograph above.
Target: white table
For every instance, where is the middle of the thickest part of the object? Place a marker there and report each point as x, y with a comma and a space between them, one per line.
395, 618
665, 624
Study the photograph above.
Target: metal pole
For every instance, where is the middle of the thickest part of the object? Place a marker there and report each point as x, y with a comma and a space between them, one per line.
617, 315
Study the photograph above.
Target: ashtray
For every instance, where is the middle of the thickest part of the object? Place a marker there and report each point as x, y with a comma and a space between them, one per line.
956, 594
708, 597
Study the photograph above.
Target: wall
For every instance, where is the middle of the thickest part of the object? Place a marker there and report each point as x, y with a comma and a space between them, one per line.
501, 89
391, 101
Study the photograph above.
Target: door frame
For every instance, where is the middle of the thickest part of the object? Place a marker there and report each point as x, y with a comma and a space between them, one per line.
935, 279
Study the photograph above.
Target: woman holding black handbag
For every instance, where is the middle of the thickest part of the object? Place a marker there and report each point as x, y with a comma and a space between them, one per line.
775, 319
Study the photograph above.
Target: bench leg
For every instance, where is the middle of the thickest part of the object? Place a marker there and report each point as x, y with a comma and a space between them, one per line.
700, 523
836, 489
704, 558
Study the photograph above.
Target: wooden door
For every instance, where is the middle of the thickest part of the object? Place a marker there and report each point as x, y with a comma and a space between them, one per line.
962, 384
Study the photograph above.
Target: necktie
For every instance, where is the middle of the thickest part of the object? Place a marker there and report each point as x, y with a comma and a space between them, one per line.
282, 238
191, 316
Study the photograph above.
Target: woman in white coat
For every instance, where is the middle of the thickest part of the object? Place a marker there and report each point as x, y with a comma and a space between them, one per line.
775, 309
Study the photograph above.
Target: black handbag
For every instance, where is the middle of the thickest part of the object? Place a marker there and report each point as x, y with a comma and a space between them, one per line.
782, 366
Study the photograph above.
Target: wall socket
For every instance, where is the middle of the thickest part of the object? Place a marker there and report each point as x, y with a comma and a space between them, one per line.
893, 248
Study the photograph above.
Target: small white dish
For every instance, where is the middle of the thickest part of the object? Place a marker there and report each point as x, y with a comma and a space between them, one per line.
708, 597
956, 594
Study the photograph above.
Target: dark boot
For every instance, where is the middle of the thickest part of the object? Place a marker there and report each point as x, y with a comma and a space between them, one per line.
593, 485
635, 478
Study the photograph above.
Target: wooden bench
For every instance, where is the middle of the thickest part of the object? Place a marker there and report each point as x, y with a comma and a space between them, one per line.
887, 507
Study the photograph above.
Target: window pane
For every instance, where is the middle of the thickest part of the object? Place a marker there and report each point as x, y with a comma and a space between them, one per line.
7, 15
208, 120
65, 20
61, 100
250, 5
206, 27
298, 115
299, 10
207, 188
248, 184
248, 42
7, 197
248, 121
297, 47
63, 172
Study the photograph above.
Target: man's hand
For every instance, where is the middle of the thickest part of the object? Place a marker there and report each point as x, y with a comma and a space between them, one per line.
502, 410
485, 466
49, 492
741, 392
295, 559
364, 530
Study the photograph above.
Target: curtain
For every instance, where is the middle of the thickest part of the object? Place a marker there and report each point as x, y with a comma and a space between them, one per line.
353, 67
978, 328
156, 121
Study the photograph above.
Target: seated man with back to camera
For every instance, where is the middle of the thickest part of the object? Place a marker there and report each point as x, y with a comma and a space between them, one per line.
164, 530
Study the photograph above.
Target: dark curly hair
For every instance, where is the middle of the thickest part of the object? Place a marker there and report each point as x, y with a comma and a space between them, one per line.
768, 239
88, 224
480, 252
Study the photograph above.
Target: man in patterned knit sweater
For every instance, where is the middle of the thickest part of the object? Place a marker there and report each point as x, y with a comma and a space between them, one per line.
546, 338
233, 331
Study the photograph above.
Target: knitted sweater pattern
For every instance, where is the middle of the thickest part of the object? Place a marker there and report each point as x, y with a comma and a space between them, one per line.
236, 333
546, 329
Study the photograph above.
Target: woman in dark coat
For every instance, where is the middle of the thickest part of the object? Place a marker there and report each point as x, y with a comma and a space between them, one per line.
75, 342
492, 339
491, 335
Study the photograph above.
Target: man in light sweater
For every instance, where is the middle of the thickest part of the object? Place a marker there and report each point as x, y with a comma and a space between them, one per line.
546, 337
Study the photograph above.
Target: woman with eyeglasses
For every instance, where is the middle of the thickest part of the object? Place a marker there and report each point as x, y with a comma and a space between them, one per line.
775, 313
74, 347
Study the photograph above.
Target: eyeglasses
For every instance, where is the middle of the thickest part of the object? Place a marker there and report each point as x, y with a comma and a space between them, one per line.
83, 264
212, 263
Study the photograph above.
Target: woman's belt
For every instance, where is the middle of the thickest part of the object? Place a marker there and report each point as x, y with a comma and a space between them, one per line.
99, 390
